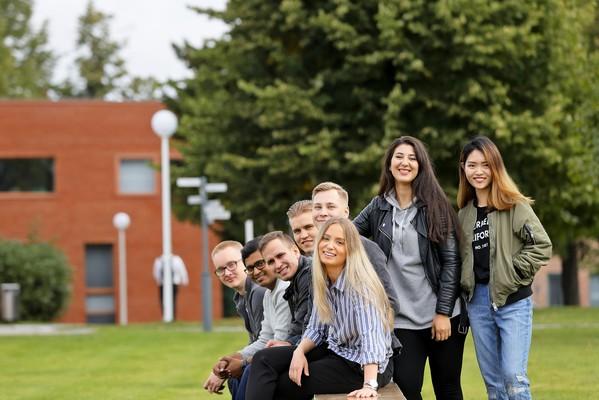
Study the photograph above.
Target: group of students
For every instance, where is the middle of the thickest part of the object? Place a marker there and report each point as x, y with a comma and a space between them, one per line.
347, 306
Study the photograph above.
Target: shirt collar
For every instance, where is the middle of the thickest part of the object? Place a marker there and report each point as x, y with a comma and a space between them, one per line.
339, 283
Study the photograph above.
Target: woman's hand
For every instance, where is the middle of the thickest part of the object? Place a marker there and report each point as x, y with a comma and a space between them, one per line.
299, 365
366, 391
441, 329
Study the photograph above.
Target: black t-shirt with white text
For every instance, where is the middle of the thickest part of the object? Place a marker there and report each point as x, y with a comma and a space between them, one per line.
480, 246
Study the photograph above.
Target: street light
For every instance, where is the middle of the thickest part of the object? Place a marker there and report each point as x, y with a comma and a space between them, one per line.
121, 222
164, 124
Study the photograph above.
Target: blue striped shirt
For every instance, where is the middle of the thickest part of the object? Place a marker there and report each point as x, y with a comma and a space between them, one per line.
356, 332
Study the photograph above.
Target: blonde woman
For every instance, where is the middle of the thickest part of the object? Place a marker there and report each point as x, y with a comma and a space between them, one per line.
347, 344
504, 246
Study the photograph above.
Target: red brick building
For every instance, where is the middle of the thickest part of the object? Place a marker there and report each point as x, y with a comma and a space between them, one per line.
98, 158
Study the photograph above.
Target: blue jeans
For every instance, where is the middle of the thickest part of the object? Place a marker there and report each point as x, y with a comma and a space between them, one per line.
237, 385
502, 342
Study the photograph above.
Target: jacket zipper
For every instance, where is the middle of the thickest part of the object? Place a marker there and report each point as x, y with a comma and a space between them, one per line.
491, 236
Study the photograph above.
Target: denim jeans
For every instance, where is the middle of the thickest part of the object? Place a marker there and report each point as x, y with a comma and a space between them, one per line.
237, 385
502, 343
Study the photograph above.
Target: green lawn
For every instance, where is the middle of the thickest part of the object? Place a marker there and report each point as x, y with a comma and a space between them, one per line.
171, 362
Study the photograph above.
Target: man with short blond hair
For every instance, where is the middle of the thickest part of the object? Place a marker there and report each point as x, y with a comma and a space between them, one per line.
248, 297
224, 244
275, 325
326, 186
331, 200
302, 226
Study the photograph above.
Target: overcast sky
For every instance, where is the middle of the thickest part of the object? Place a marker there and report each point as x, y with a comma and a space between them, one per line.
148, 27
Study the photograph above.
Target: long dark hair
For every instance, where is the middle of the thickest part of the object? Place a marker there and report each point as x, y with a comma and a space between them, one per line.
440, 215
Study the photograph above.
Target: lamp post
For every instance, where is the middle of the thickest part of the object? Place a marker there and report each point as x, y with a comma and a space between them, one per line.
164, 124
211, 210
121, 222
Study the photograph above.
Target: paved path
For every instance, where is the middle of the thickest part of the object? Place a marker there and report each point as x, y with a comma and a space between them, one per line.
44, 329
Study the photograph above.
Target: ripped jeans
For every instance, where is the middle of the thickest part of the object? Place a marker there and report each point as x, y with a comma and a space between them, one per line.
502, 342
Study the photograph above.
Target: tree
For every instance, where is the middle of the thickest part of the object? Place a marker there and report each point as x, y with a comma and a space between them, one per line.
100, 66
299, 92
25, 61
43, 273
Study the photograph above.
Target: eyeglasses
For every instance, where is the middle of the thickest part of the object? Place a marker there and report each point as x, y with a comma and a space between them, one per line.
230, 266
259, 265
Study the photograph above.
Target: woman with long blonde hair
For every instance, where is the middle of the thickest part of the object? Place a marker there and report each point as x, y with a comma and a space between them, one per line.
347, 344
504, 245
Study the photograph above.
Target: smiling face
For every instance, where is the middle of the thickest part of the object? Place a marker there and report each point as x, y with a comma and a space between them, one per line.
260, 272
332, 249
328, 204
404, 165
304, 231
477, 171
282, 257
230, 257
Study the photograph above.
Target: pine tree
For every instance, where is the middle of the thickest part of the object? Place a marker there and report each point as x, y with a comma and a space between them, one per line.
26, 63
100, 66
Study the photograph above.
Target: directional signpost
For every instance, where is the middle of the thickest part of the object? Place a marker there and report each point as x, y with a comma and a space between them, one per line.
212, 210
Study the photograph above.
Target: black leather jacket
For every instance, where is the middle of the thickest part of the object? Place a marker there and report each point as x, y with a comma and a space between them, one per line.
441, 261
299, 296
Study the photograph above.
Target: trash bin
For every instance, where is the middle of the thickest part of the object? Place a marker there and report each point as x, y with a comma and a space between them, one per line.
9, 294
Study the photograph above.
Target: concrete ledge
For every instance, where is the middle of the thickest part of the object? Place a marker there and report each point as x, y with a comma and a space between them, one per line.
389, 392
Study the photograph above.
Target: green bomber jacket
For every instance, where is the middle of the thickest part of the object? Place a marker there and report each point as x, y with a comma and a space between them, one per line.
519, 246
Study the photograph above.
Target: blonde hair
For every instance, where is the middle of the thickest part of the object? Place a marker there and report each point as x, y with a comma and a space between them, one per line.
360, 276
504, 193
226, 244
299, 207
274, 235
326, 186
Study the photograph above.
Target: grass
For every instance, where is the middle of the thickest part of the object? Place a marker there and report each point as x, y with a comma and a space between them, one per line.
156, 361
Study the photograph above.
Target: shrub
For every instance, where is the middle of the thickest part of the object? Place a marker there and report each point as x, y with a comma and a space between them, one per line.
43, 273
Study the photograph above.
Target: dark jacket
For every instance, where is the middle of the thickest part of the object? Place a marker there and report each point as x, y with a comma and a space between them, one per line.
379, 261
441, 260
299, 296
250, 307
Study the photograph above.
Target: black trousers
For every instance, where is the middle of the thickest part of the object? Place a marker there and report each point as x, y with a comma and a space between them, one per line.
445, 362
161, 293
329, 373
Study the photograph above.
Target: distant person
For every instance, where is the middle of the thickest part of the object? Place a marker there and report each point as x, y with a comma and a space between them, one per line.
248, 298
504, 246
302, 225
179, 274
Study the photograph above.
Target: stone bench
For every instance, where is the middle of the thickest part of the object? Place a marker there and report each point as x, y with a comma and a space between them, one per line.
389, 392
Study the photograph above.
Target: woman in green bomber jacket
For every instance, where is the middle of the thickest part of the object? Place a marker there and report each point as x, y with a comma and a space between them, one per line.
504, 245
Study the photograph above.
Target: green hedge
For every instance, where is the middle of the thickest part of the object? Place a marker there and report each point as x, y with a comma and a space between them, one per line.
42, 271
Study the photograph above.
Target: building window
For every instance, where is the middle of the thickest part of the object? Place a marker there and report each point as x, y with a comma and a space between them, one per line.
136, 177
594, 292
26, 175
556, 297
99, 296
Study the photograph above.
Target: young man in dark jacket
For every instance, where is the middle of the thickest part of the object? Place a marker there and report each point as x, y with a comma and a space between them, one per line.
280, 250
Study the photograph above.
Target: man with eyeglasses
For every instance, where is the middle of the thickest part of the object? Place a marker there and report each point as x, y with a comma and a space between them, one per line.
275, 324
248, 298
